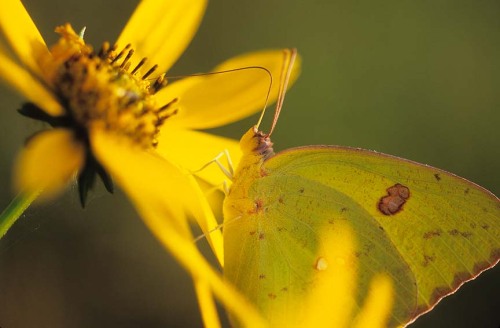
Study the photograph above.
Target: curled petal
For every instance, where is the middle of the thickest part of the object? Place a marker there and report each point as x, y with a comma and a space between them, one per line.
48, 162
215, 100
149, 180
28, 86
22, 34
155, 184
161, 29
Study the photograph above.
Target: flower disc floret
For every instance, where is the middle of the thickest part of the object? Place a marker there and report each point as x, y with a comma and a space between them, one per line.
99, 89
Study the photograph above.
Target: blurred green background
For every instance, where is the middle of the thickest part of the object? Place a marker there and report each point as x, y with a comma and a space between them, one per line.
416, 79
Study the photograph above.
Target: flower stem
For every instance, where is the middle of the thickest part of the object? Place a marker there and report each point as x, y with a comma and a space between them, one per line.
14, 210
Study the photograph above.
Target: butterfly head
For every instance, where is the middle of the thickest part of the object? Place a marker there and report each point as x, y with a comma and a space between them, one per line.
256, 143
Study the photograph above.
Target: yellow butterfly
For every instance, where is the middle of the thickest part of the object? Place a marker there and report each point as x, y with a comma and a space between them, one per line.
428, 230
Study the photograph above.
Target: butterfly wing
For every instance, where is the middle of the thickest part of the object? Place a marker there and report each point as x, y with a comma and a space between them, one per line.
428, 230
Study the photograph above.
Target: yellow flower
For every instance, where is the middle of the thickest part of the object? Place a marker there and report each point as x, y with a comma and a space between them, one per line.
114, 116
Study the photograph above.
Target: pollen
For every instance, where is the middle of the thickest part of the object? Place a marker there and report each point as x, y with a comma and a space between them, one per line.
101, 89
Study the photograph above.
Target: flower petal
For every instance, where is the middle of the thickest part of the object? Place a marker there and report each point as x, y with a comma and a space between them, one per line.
149, 180
161, 29
208, 309
28, 86
377, 307
194, 149
22, 34
192, 260
48, 162
214, 100
155, 184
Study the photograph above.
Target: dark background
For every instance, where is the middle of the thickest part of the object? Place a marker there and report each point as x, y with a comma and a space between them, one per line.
416, 79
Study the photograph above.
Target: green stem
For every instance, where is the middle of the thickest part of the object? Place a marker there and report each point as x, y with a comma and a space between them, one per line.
14, 210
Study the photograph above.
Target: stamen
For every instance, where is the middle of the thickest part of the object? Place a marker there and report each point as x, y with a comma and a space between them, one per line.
159, 83
127, 58
120, 55
167, 105
143, 60
151, 70
104, 50
126, 67
162, 119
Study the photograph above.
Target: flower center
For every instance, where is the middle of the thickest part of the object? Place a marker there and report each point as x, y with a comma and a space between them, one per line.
101, 90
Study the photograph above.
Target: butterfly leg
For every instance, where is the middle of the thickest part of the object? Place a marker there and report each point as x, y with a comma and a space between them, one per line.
228, 172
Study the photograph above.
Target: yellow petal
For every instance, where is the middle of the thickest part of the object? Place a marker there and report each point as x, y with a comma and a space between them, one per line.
193, 149
156, 187
161, 29
215, 100
329, 300
22, 34
49, 162
208, 309
192, 260
28, 86
377, 307
156, 184
149, 180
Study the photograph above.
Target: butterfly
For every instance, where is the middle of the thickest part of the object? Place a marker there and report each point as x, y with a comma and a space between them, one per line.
427, 230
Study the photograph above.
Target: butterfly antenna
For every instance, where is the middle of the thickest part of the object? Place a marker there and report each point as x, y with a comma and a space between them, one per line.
218, 227
177, 77
267, 99
290, 55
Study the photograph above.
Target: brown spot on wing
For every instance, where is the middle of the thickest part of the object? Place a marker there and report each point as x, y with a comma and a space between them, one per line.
393, 202
271, 296
432, 234
437, 176
456, 232
258, 206
262, 276
466, 234
428, 259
